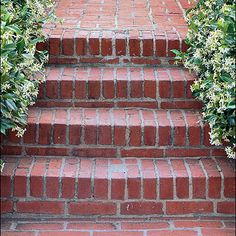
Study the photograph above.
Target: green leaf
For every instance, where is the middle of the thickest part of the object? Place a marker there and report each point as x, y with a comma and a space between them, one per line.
10, 104
14, 28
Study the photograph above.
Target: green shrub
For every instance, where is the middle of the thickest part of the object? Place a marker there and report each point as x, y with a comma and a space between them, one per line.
211, 55
21, 64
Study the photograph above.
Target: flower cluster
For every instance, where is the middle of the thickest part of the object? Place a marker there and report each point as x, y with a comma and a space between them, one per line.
211, 55
21, 30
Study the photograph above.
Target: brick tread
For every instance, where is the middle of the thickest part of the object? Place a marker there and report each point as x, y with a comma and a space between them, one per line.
91, 227
117, 87
91, 132
116, 32
77, 186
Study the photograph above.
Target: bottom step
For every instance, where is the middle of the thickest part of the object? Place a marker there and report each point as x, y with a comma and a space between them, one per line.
72, 187
117, 227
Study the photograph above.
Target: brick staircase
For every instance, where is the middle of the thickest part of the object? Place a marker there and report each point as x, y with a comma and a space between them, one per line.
118, 135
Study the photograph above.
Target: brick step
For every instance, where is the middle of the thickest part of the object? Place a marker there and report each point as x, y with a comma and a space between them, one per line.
89, 132
72, 46
116, 32
117, 187
163, 88
191, 226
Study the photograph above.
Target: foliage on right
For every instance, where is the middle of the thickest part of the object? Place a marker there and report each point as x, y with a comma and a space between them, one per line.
211, 55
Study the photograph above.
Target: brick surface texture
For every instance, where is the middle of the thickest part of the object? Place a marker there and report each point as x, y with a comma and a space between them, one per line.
116, 138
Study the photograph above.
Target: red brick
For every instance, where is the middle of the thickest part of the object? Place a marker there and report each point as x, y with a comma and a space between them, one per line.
80, 83
91, 226
196, 224
149, 128
134, 128
101, 181
141, 208
166, 180
68, 44
226, 207
75, 127
120, 46
118, 186
136, 83
94, 152
94, 47
84, 180
229, 177
118, 233
161, 46
149, 179
173, 44
218, 232
91, 208
30, 134
164, 129
80, 42
40, 207
144, 225
214, 178
187, 152
133, 182
6, 206
60, 124
178, 208
150, 152
63, 233
134, 47
173, 233
11, 150
182, 178
7, 233
54, 46
147, 47
47, 151
108, 84
119, 127
145, 61
198, 179
52, 178
39, 226
179, 128
90, 130
107, 44
20, 181
121, 83
52, 89
104, 129
94, 84
37, 179
150, 85
68, 179
66, 87
45, 127
6, 176
194, 129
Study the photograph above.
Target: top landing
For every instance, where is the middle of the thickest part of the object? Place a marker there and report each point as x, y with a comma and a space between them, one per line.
119, 15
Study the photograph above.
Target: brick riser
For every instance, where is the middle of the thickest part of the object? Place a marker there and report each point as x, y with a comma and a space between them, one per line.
111, 47
159, 88
112, 133
120, 187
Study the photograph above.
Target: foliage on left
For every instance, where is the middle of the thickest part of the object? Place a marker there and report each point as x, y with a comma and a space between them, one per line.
22, 65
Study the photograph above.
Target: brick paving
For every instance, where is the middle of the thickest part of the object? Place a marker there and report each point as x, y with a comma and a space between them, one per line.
116, 141
165, 15
117, 227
